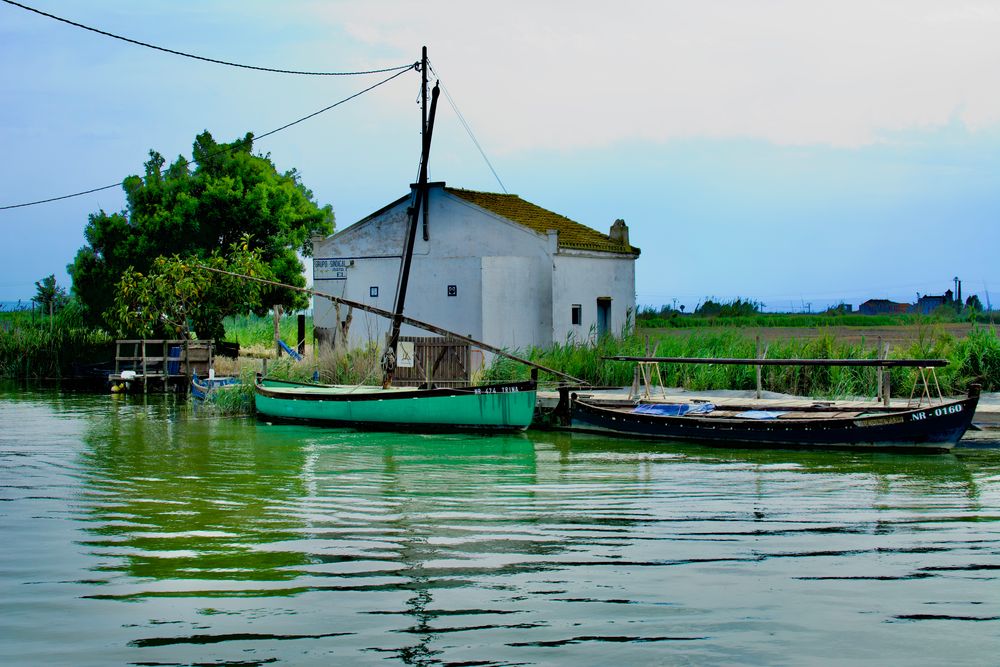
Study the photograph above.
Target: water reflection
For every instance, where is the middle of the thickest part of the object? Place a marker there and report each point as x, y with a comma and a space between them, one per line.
160, 538
171, 498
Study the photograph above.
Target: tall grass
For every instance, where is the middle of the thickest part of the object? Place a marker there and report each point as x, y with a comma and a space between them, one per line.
359, 366
976, 359
258, 330
33, 347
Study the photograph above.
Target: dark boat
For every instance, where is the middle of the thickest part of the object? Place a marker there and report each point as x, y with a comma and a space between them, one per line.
202, 388
935, 426
929, 428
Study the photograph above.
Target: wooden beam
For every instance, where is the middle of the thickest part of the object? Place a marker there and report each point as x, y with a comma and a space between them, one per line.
406, 320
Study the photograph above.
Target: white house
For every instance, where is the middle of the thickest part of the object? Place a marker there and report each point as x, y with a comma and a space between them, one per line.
491, 266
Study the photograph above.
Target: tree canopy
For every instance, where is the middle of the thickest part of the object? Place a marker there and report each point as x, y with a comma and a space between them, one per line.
49, 295
180, 297
231, 196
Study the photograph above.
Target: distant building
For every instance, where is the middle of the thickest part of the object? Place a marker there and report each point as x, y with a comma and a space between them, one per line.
883, 307
929, 303
491, 266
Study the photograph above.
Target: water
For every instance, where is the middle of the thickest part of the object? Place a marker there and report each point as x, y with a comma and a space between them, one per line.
135, 532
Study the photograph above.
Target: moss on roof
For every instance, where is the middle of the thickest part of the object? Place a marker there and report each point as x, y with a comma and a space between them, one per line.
571, 234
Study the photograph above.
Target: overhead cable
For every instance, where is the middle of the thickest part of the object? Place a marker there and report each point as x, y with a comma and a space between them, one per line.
202, 58
236, 144
472, 136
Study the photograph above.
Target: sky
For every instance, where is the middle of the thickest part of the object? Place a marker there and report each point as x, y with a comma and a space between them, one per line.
799, 153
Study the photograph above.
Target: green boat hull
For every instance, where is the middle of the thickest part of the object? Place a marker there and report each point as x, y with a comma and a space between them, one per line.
503, 407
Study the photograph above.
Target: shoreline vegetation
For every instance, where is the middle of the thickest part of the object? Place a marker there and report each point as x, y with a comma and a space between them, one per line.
974, 359
34, 347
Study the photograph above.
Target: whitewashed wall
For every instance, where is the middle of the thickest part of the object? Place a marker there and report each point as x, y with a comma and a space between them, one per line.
513, 289
580, 278
349, 263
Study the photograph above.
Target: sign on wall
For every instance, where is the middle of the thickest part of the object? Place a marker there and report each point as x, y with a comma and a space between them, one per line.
330, 269
404, 354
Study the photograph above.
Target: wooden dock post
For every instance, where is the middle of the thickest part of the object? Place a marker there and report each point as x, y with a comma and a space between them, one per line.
878, 371
760, 386
277, 330
301, 334
886, 382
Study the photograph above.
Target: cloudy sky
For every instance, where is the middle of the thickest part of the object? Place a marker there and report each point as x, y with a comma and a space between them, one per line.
791, 151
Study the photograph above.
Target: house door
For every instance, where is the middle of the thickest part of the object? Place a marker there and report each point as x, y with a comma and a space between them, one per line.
603, 315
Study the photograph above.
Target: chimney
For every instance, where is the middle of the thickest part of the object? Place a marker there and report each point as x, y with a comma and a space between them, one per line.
619, 233
317, 241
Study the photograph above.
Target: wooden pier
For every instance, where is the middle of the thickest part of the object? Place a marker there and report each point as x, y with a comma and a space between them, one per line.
160, 365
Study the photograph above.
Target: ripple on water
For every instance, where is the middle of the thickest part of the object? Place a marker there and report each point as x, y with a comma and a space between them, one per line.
139, 535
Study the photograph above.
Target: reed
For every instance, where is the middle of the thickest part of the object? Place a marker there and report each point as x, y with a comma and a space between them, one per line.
232, 400
258, 330
32, 347
975, 359
797, 320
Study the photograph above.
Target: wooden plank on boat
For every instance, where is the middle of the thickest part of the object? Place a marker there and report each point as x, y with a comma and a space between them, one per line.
887, 363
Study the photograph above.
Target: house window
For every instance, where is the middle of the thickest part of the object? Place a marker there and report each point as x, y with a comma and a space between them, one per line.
452, 290
576, 314
373, 291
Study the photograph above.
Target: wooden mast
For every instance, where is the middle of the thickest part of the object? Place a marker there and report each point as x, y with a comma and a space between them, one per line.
419, 200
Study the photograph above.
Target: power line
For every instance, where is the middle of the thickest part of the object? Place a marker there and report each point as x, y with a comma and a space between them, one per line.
202, 58
235, 145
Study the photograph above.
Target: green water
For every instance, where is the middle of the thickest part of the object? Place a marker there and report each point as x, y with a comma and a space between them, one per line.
138, 532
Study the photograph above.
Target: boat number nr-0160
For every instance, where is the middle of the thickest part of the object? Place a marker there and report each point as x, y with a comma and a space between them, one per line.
939, 412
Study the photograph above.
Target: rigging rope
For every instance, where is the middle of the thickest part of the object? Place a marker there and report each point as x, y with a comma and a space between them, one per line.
468, 129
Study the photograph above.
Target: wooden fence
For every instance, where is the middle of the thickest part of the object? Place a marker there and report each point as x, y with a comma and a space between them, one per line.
444, 362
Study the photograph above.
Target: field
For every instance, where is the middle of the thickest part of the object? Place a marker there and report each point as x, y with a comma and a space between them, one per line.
902, 335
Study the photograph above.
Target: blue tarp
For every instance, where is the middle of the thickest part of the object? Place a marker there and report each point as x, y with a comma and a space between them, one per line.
673, 409
760, 414
289, 351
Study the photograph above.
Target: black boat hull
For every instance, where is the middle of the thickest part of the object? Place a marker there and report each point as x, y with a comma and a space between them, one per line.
935, 428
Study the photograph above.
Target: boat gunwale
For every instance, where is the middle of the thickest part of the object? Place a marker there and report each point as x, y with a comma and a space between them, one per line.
793, 424
930, 433
379, 394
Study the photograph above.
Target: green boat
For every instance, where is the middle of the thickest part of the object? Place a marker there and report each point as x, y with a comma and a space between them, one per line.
508, 406
491, 407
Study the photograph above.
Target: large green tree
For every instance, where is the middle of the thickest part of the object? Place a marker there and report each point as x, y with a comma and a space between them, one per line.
179, 297
193, 208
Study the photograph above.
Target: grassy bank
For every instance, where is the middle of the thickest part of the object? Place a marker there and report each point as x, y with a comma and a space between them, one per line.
253, 331
975, 359
32, 347
677, 320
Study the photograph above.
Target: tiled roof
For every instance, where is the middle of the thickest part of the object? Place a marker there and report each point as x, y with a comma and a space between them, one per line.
571, 234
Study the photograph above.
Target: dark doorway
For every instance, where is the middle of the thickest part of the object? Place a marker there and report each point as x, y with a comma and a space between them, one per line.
603, 315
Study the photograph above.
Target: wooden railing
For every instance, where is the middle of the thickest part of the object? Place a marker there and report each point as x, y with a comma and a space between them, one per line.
162, 358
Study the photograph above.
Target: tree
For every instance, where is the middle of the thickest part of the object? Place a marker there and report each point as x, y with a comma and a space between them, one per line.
974, 304
49, 295
189, 214
178, 297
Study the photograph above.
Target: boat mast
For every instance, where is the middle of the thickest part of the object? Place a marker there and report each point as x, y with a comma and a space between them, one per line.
413, 214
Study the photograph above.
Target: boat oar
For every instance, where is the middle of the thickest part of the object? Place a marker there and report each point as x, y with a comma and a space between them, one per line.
406, 320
